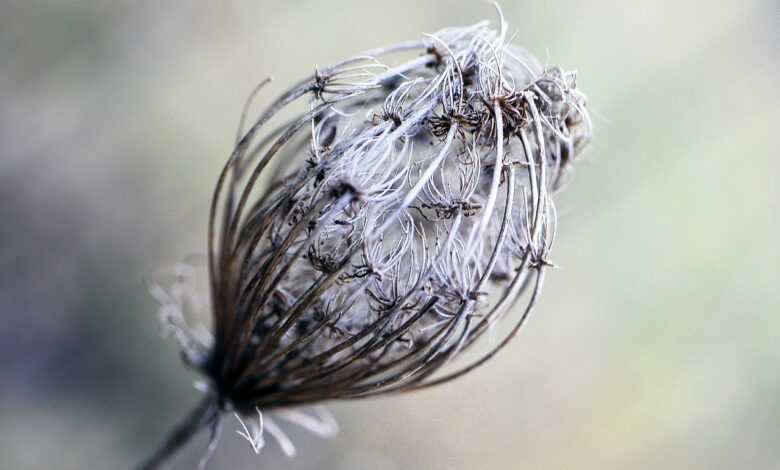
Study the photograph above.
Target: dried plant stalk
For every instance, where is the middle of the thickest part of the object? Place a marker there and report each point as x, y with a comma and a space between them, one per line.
412, 207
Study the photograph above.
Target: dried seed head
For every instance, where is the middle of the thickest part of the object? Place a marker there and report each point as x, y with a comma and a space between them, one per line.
411, 207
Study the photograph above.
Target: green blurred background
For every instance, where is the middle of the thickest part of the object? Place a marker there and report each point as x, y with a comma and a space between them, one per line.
655, 346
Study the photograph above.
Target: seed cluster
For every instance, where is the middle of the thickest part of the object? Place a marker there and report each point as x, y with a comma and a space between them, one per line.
411, 207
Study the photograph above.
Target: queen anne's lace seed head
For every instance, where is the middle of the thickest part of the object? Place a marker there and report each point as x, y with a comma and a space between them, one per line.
408, 207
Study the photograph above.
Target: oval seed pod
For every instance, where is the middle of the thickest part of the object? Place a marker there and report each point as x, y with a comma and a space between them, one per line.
371, 239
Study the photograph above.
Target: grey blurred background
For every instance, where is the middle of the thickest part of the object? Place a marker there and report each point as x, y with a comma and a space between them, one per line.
655, 346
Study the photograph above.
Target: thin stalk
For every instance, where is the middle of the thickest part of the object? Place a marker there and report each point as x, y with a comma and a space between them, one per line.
204, 414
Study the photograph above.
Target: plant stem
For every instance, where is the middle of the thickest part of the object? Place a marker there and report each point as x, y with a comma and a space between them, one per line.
200, 417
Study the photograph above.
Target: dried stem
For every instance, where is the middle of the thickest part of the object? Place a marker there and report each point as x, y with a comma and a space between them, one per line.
205, 414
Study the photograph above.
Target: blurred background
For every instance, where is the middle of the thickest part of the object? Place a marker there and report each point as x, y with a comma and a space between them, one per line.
656, 345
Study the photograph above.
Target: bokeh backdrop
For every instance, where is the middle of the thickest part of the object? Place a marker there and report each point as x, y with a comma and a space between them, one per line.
656, 345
